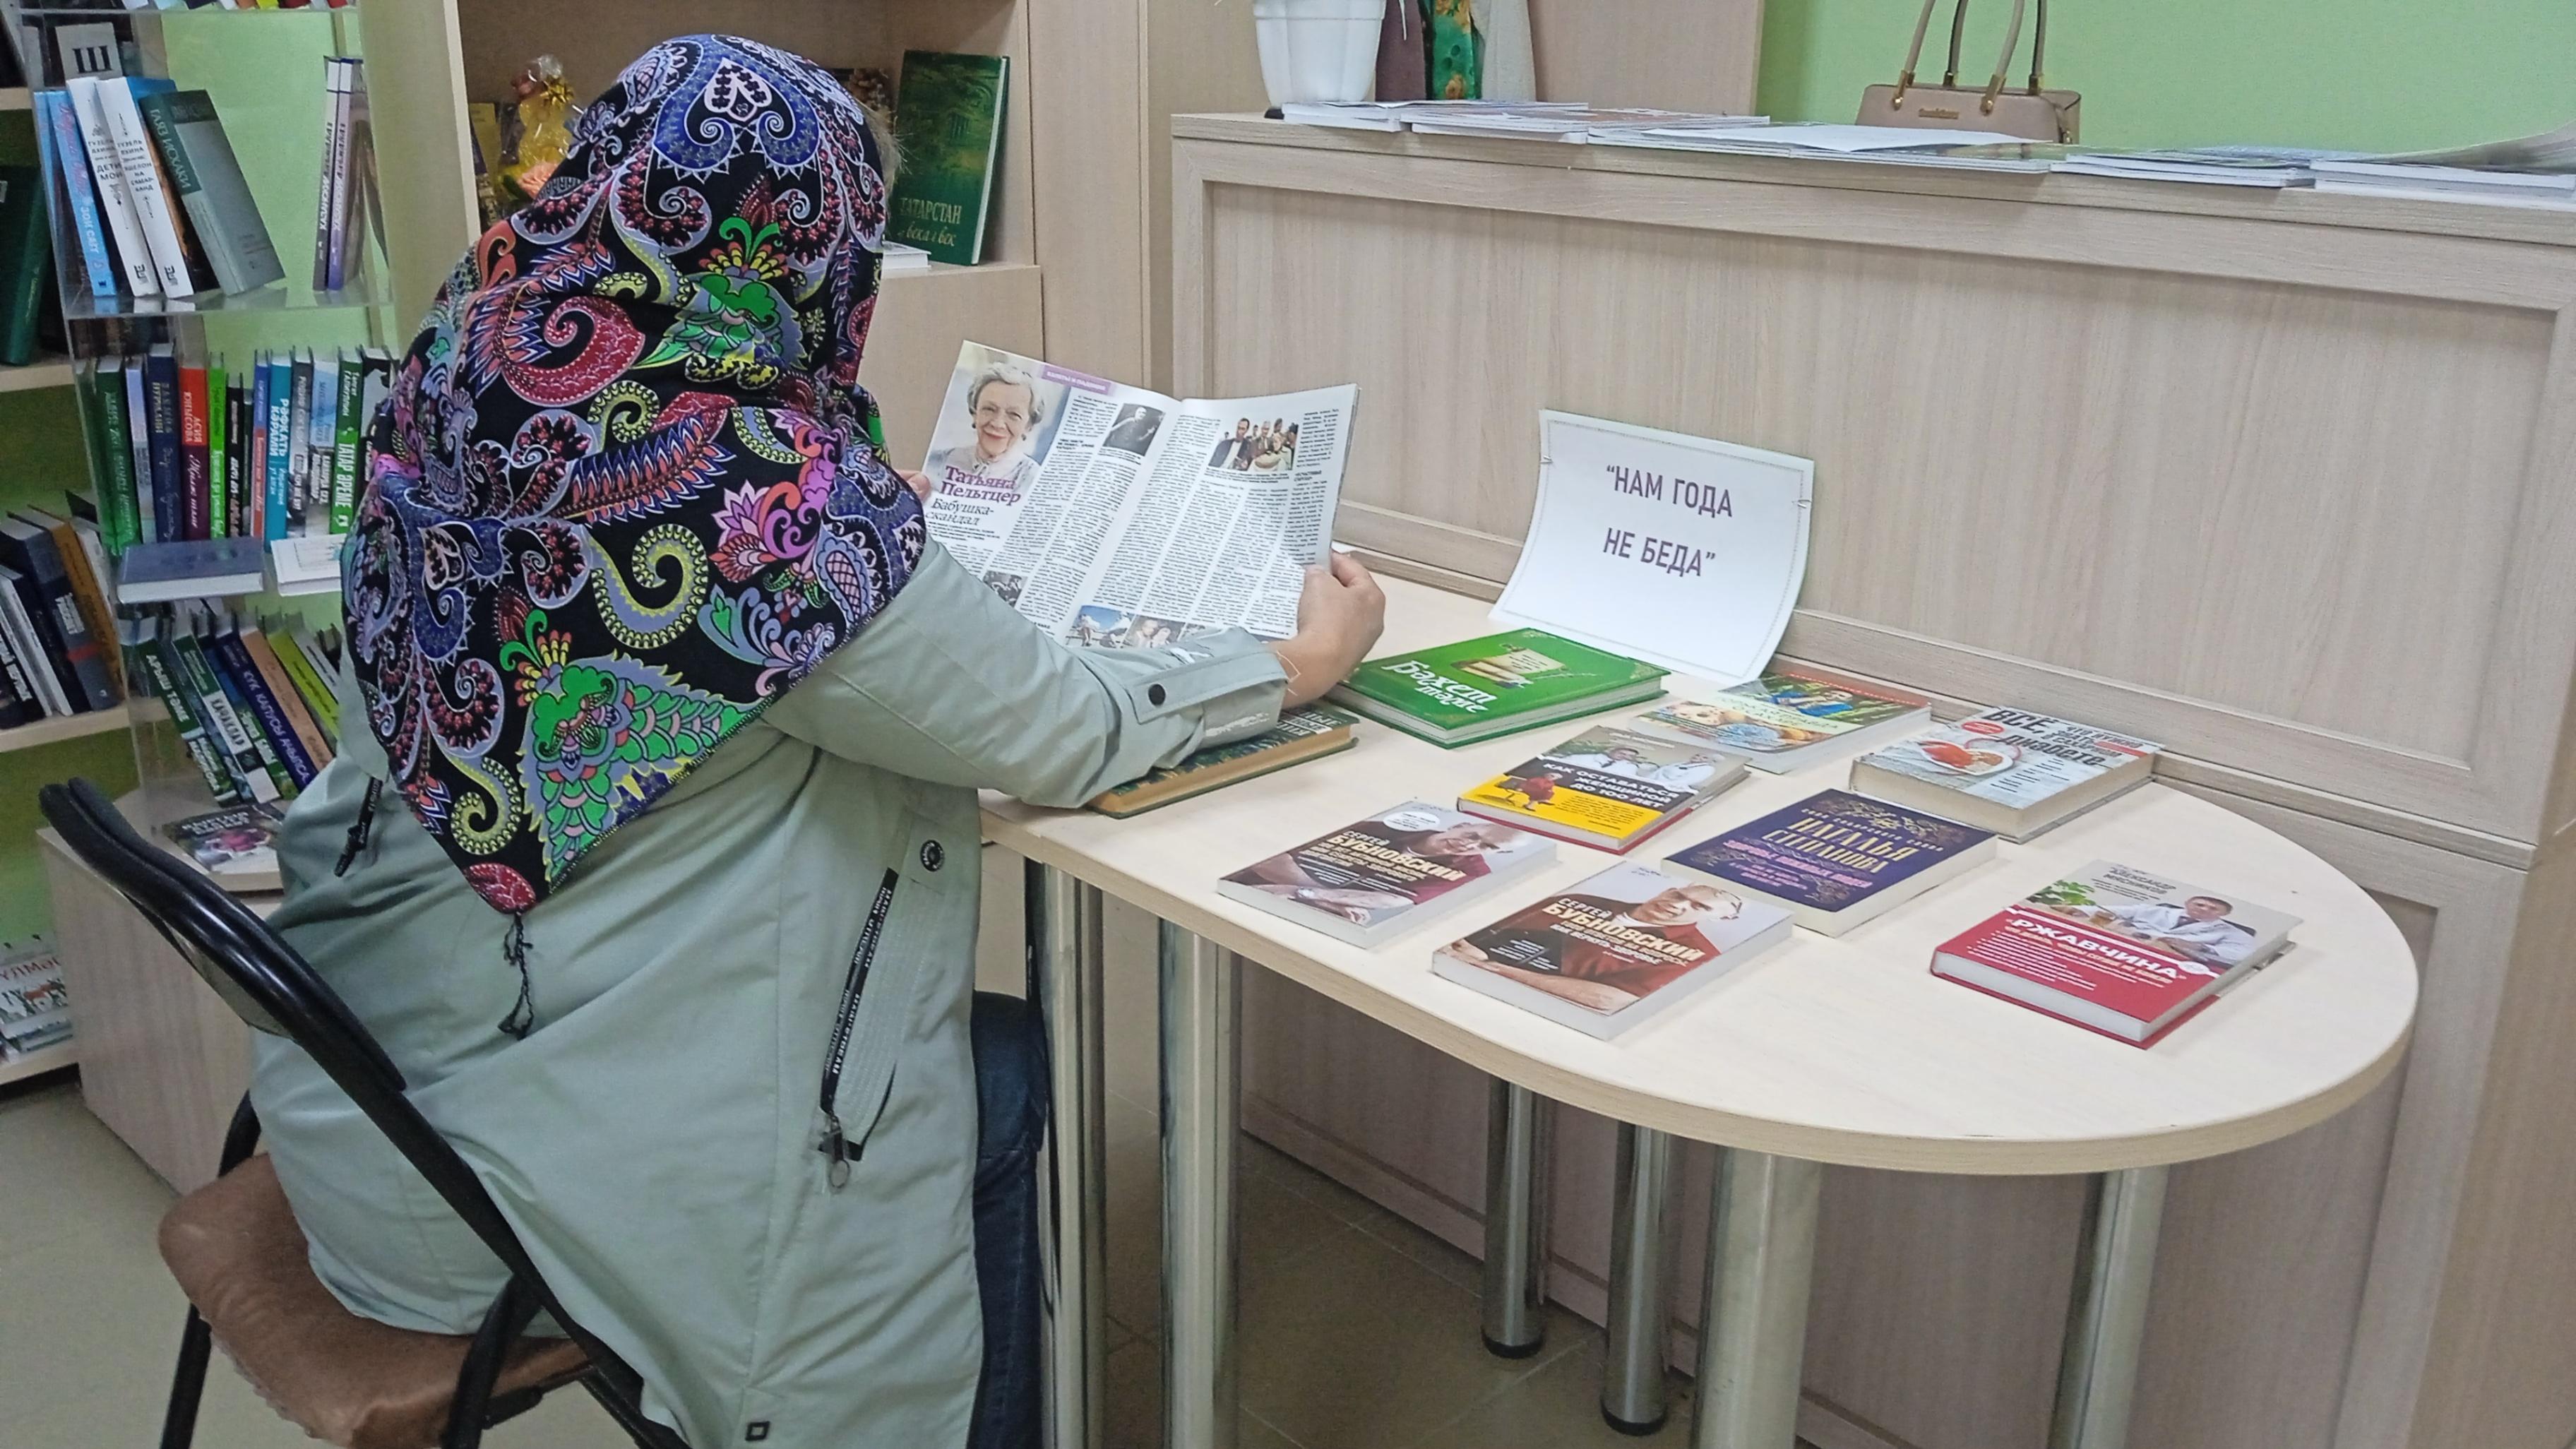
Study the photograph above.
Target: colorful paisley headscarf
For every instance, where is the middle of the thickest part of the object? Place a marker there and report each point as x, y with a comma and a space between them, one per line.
626, 490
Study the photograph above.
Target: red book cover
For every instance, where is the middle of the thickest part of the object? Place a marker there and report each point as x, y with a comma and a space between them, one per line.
2115, 950
196, 471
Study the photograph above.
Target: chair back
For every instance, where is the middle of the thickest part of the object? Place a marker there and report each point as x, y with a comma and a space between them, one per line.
274, 990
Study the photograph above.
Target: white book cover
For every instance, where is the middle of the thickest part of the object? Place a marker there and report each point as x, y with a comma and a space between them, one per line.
1685, 552
144, 187
133, 257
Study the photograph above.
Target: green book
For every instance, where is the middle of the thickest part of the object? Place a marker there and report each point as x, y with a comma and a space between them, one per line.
111, 454
1479, 688
347, 433
948, 125
1301, 735
26, 262
154, 665
218, 484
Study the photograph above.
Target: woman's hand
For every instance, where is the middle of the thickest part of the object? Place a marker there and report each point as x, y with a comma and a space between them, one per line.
919, 483
1338, 618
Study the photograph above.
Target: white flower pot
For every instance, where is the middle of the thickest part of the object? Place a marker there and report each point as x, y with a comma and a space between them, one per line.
1318, 50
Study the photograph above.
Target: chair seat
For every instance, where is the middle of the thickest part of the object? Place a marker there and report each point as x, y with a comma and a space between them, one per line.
236, 1250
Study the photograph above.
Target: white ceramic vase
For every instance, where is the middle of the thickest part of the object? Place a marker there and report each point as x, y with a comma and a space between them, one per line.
1318, 50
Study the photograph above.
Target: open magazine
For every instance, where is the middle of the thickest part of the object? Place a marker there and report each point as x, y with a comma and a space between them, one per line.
1114, 516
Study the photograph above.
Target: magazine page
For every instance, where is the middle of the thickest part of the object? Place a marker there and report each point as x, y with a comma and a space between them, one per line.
1236, 502
1031, 468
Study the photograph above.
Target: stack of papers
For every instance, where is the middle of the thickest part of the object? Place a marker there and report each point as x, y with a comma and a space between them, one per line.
2272, 166
1819, 139
2447, 183
1396, 115
1574, 123
902, 258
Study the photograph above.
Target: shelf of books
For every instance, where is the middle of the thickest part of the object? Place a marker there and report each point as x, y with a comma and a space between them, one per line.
210, 200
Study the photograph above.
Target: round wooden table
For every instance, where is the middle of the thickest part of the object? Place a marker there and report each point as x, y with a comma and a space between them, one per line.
1822, 1050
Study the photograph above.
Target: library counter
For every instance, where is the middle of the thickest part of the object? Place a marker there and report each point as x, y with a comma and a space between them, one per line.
1843, 1050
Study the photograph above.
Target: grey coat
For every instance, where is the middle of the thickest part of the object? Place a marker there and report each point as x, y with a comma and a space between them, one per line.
656, 1141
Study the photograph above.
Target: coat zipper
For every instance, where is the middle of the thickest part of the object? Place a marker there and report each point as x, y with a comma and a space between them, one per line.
835, 1145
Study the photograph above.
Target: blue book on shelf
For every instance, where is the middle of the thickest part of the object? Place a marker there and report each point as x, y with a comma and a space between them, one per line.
67, 165
279, 375
161, 430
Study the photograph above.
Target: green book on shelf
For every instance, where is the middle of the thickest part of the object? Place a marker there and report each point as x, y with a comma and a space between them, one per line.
1300, 735
26, 262
1479, 688
948, 125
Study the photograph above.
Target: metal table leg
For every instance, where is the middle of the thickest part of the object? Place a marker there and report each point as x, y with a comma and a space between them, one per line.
1753, 1329
1201, 1070
2115, 1265
1640, 1318
1519, 1127
1064, 955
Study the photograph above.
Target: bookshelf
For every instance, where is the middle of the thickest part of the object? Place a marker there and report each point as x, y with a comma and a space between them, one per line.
36, 1064
43, 372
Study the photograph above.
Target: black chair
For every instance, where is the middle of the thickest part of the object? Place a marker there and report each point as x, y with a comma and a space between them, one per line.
234, 1246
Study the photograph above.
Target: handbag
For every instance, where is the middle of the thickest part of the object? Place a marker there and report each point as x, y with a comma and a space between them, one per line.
2032, 114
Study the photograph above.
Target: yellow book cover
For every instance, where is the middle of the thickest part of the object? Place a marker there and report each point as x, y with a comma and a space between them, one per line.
1606, 787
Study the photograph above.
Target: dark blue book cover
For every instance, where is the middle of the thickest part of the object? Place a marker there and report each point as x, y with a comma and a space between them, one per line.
161, 426
1831, 851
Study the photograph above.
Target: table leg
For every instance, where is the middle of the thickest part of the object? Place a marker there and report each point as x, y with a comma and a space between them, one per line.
2115, 1265
1639, 1326
1753, 1327
1519, 1127
1201, 1074
1065, 955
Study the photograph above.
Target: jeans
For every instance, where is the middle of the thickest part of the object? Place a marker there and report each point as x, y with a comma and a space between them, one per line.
1011, 1102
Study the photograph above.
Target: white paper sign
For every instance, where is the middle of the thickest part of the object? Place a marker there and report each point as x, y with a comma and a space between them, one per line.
1684, 551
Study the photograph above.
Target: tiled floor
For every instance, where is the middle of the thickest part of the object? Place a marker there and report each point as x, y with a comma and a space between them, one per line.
1359, 1329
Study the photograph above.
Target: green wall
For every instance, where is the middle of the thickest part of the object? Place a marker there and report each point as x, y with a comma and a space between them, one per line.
2357, 74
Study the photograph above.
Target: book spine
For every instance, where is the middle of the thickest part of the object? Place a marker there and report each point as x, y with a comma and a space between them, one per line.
237, 440
71, 161
19, 701
138, 449
146, 187
45, 632
89, 598
161, 423
257, 458
133, 259
186, 659
326, 196
236, 695
153, 664
272, 678
161, 121
324, 437
219, 484
118, 512
234, 666
307, 681
196, 461
281, 383
81, 662
349, 433
299, 427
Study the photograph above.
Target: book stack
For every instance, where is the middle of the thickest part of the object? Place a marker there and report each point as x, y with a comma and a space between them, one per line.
186, 451
1479, 688
2274, 167
347, 209
252, 702
157, 204
57, 629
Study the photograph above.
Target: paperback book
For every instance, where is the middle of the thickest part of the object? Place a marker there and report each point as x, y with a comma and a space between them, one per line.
1476, 689
35, 1009
237, 846
1301, 735
948, 123
1835, 860
1605, 787
2117, 950
1375, 877
1616, 950
2010, 771
1786, 719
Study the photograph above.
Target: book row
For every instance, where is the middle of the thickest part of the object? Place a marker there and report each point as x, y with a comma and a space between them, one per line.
156, 202
186, 450
2112, 948
251, 701
57, 620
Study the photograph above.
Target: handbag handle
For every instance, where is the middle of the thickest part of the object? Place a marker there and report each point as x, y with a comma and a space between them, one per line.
1958, 25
